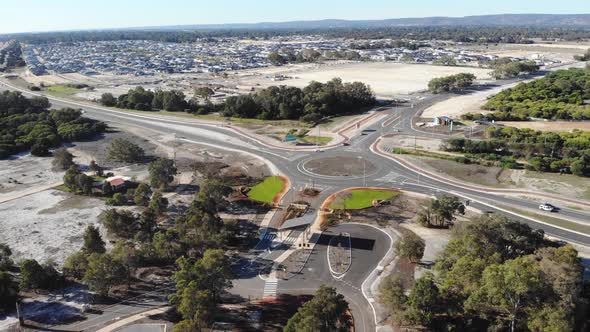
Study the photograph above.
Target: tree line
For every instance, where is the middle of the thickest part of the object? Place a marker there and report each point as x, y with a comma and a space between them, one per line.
494, 275
310, 104
563, 152
27, 123
561, 95
465, 34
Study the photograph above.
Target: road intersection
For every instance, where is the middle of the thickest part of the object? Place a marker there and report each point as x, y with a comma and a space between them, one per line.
387, 171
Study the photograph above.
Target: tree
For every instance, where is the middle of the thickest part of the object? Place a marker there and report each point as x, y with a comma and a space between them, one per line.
62, 159
76, 265
118, 199
445, 61
213, 193
103, 272
158, 203
8, 292
162, 172
199, 286
392, 295
509, 288
326, 311
93, 242
423, 300
410, 246
441, 211
451, 83
40, 148
125, 151
31, 274
5, 253
204, 92
174, 101
141, 194
94, 167
120, 223
107, 99
197, 305
276, 59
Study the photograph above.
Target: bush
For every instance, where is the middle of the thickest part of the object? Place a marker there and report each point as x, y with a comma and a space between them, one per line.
63, 159
125, 151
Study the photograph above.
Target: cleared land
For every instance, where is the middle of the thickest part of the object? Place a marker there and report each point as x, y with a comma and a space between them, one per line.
457, 106
387, 79
548, 125
267, 190
361, 198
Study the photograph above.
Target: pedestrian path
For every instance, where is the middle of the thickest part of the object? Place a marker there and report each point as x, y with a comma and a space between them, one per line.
270, 287
292, 237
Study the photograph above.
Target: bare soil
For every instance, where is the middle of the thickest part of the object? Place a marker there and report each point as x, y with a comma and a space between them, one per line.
340, 166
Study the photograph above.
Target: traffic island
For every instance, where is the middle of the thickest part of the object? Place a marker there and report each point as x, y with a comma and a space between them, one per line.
339, 254
270, 190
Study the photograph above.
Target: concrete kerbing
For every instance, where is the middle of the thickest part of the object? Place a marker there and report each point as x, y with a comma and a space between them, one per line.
376, 148
132, 319
336, 275
374, 274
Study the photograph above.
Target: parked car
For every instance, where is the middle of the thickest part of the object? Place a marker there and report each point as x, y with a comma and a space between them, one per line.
547, 207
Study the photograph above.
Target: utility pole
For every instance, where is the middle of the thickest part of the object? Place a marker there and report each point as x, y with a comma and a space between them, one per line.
21, 320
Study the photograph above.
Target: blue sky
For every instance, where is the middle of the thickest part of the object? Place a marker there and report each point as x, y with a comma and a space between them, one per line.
45, 15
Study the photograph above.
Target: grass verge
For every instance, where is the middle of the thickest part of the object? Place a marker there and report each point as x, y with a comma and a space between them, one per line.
267, 190
357, 199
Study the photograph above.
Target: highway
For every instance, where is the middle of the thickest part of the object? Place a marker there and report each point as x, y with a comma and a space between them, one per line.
385, 172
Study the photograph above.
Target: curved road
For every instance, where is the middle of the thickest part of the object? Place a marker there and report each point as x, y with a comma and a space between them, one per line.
387, 172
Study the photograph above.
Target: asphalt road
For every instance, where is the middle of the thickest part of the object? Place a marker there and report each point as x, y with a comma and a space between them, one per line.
387, 173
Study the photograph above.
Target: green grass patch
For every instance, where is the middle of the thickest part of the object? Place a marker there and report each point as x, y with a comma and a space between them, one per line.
267, 190
320, 140
361, 198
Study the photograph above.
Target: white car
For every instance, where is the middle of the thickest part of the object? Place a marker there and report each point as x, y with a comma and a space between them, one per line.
547, 207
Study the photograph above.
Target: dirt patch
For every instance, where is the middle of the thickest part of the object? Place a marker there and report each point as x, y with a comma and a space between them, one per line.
340, 166
496, 177
339, 253
482, 175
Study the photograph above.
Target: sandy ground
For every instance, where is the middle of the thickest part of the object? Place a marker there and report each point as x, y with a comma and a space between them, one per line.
548, 125
47, 225
457, 106
24, 172
385, 78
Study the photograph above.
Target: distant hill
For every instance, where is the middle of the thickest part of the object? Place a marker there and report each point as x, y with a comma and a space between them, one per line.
522, 20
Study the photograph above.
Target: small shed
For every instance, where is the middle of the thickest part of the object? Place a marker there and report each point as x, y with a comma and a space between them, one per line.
442, 120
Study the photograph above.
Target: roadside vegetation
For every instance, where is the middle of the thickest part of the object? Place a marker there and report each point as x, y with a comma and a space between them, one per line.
28, 124
494, 274
562, 95
539, 151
